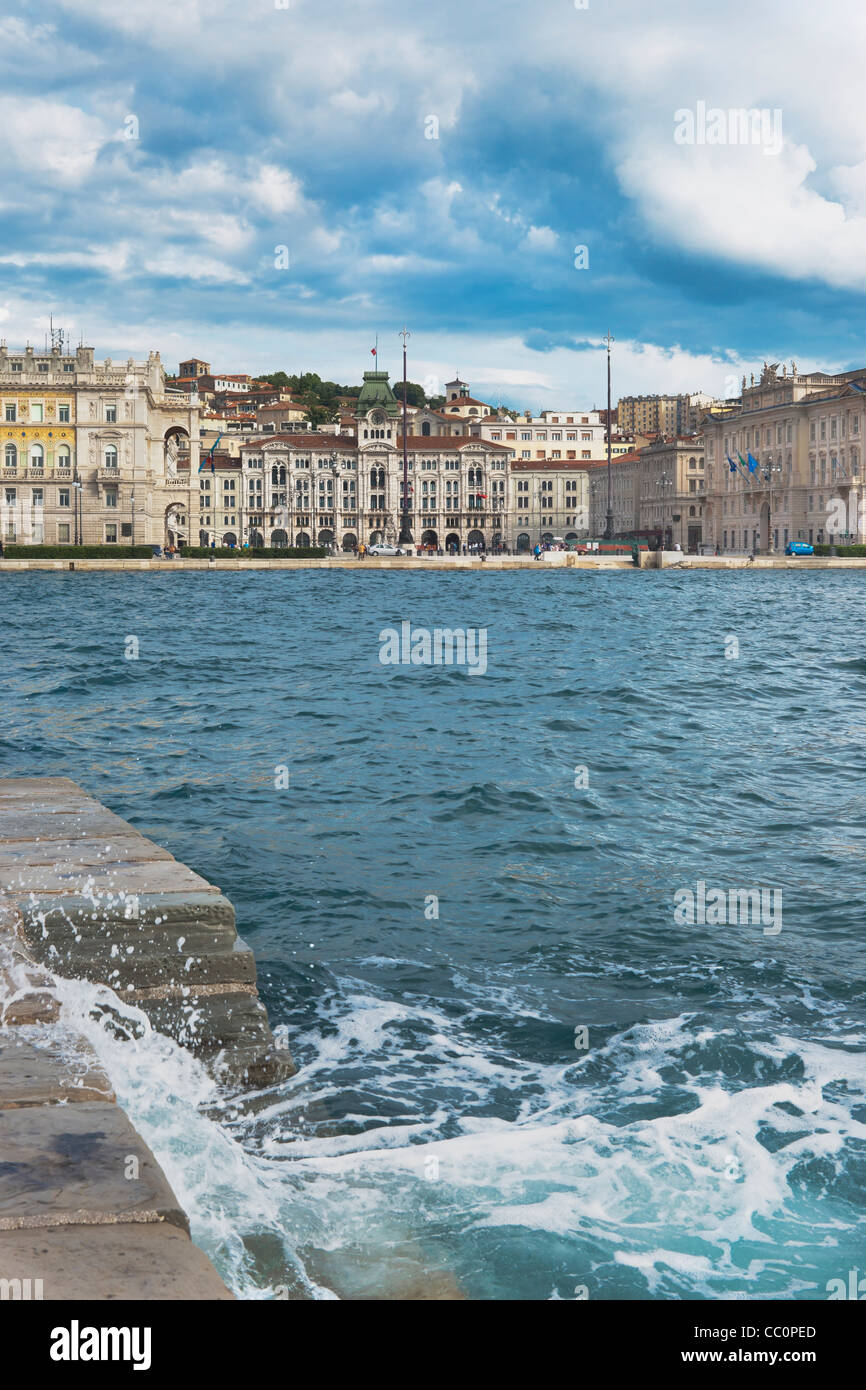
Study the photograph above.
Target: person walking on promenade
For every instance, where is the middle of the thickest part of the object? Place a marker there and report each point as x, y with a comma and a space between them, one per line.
537, 551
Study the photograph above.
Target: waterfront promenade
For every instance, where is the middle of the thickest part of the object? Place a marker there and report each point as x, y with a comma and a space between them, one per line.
670, 559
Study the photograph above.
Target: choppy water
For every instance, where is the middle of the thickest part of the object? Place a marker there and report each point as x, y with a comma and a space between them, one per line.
443, 1131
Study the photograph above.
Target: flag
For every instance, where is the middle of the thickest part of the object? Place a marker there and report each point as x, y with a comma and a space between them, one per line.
373, 351
743, 463
731, 463
753, 463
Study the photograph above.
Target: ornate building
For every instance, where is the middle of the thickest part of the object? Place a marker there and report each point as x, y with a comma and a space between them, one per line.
804, 432
302, 489
93, 453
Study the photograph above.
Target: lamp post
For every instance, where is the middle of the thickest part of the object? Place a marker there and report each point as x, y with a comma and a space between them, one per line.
608, 529
405, 530
76, 506
769, 469
332, 465
663, 482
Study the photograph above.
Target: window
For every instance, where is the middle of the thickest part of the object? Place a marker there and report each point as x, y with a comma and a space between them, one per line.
110, 456
11, 495
11, 413
63, 531
111, 533
38, 498
37, 456
11, 456
69, 366
42, 366
63, 497
111, 497
62, 457
63, 414
36, 411
111, 413
16, 366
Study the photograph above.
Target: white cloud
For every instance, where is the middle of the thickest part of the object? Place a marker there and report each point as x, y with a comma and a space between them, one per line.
49, 138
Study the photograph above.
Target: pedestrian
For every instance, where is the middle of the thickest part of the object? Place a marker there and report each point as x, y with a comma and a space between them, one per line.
537, 551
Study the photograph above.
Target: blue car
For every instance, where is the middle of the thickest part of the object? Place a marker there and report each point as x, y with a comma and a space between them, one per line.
799, 548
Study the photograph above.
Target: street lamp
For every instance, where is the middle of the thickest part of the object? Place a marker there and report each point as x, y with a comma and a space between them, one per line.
333, 466
769, 469
76, 509
663, 482
608, 529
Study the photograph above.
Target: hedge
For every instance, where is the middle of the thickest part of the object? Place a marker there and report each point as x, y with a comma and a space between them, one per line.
145, 552
78, 552
841, 550
288, 552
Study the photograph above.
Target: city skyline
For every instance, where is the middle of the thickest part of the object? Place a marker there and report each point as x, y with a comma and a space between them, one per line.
159, 160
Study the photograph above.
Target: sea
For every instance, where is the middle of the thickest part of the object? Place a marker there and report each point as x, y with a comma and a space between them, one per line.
527, 1068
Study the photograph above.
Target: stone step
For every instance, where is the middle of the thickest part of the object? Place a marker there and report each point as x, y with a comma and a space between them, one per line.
139, 1262
79, 1164
142, 923
80, 854
104, 879
61, 1069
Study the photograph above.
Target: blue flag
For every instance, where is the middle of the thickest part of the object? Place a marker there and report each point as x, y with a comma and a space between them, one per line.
731, 463
753, 463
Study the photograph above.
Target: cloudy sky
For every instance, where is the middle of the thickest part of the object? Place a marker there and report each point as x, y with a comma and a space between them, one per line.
160, 154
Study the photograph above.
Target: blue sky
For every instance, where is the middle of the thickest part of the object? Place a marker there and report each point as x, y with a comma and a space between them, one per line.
257, 127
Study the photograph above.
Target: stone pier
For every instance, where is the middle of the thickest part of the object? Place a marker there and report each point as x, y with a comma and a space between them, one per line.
85, 1210
93, 899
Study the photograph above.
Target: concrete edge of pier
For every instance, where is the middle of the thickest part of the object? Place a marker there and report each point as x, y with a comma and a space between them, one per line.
670, 559
85, 1210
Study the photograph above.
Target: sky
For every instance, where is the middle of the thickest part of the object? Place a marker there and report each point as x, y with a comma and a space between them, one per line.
271, 185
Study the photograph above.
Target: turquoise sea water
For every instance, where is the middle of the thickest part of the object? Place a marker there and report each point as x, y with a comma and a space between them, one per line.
444, 1132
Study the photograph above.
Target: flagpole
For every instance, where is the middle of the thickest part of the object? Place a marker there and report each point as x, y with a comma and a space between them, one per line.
405, 532
608, 530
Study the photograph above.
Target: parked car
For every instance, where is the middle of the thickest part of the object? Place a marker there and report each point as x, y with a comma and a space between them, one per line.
383, 549
799, 548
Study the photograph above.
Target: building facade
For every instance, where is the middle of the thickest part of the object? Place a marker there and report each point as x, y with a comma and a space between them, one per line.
804, 480
547, 501
671, 493
93, 453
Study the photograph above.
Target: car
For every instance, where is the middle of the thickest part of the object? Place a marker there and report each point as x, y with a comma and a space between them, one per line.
383, 549
799, 548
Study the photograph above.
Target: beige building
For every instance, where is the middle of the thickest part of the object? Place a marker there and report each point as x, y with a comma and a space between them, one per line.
547, 501
94, 453
671, 493
624, 496
804, 432
316, 488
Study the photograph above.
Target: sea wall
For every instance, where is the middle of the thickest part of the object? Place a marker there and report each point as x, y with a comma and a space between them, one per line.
86, 1212
96, 900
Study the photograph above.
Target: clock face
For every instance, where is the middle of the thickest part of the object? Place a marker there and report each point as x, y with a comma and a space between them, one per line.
378, 418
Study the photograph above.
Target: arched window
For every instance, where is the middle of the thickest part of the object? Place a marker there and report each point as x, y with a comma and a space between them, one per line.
425, 428
110, 456
274, 474
373, 476
11, 456
283, 474
37, 455
63, 457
